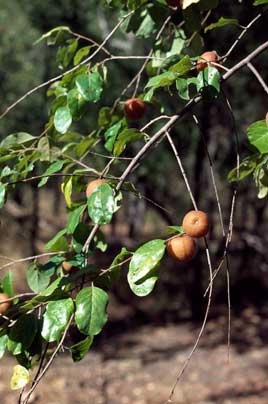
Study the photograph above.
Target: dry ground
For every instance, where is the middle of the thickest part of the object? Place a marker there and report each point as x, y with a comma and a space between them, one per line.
140, 367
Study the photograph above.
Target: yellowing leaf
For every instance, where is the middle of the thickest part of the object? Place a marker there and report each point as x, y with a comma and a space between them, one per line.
188, 3
20, 378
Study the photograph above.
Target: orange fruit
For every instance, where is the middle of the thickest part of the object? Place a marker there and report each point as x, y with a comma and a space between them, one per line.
134, 108
207, 59
66, 266
195, 223
92, 185
181, 248
4, 307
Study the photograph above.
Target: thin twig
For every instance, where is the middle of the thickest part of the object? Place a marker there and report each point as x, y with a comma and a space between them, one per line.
258, 77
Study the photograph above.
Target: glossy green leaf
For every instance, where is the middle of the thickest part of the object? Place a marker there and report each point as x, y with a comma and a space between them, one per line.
175, 229
67, 189
145, 259
22, 334
7, 284
53, 168
258, 136
222, 22
56, 318
110, 136
37, 278
20, 378
260, 2
90, 86
58, 242
101, 204
16, 140
182, 67
112, 275
81, 54
208, 82
74, 218
90, 314
62, 119
2, 194
162, 80
3, 345
125, 137
80, 349
145, 287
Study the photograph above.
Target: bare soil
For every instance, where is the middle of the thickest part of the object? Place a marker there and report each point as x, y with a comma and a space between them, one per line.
140, 367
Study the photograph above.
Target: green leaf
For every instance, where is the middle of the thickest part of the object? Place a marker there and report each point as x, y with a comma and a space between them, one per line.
175, 229
22, 334
3, 345
113, 273
101, 204
144, 288
52, 32
37, 278
62, 119
258, 136
80, 54
74, 218
67, 189
7, 284
58, 242
2, 194
80, 236
53, 168
222, 22
75, 103
162, 80
90, 314
145, 259
260, 2
90, 86
56, 318
125, 137
183, 88
80, 349
15, 140
110, 136
20, 378
208, 82
246, 167
182, 67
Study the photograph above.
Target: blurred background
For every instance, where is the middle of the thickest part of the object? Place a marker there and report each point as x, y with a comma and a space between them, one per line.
147, 340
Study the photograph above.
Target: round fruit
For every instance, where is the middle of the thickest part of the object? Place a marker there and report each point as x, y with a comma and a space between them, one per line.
195, 223
5, 305
173, 3
207, 59
181, 248
134, 108
92, 185
66, 266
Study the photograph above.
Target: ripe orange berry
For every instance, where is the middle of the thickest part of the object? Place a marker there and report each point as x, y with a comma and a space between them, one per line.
181, 248
207, 59
92, 185
66, 266
134, 108
4, 307
173, 3
195, 223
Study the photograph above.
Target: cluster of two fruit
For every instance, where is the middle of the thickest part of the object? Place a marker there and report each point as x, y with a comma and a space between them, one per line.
183, 247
